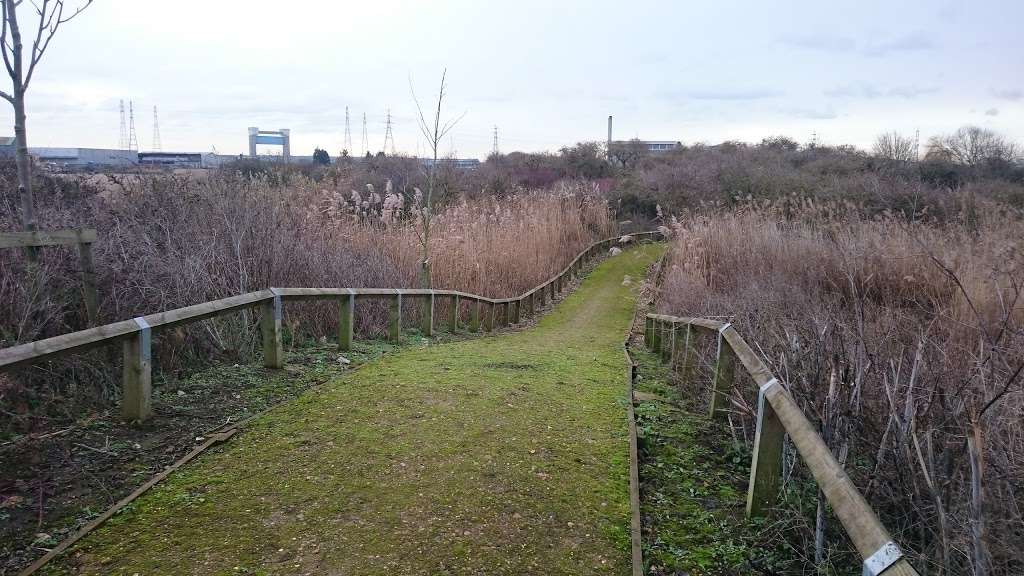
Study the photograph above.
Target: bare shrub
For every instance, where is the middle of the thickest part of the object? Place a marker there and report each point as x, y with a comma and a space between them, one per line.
903, 340
168, 241
896, 147
973, 146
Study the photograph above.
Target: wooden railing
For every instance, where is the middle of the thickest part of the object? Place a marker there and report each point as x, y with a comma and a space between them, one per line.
81, 237
778, 414
136, 334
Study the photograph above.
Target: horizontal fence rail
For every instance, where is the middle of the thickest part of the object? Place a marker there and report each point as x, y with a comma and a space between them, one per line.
673, 338
136, 335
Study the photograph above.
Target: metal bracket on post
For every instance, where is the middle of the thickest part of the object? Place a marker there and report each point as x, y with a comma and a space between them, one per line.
721, 333
764, 387
145, 339
278, 309
882, 559
270, 327
137, 384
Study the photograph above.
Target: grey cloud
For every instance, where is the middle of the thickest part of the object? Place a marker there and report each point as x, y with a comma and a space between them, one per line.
756, 94
821, 43
813, 114
992, 112
1009, 94
914, 42
870, 91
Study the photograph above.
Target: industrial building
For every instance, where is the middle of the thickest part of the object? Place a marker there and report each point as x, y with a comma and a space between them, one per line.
459, 163
171, 159
660, 145
86, 157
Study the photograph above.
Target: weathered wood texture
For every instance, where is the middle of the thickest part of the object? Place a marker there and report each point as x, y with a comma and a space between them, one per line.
453, 313
766, 461
475, 310
778, 415
137, 377
346, 321
90, 295
724, 375
395, 318
270, 330
427, 315
50, 238
84, 238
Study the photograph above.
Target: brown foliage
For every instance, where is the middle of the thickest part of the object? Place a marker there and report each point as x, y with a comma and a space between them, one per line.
170, 241
903, 340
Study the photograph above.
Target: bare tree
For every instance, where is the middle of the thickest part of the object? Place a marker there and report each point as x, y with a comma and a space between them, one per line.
973, 146
51, 17
895, 146
434, 130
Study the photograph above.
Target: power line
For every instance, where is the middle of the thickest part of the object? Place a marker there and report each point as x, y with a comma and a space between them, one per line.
348, 133
133, 139
365, 142
122, 142
388, 135
157, 145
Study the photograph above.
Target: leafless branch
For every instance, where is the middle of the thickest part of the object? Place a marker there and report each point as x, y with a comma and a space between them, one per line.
49, 22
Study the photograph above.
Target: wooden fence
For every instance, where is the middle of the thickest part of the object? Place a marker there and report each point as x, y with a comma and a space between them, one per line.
81, 237
137, 334
674, 339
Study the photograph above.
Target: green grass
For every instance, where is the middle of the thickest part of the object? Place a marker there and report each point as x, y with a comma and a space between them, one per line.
693, 488
503, 455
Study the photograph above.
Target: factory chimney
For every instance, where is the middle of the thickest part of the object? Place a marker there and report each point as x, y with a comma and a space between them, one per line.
608, 152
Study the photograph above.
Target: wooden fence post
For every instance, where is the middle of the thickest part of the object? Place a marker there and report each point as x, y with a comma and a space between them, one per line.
517, 311
649, 333
654, 334
89, 293
346, 319
137, 374
489, 317
395, 318
668, 340
725, 373
532, 304
689, 354
766, 464
427, 320
678, 353
474, 316
543, 295
270, 327
453, 315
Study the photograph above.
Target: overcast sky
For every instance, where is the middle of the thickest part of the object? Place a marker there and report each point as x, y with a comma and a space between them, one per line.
546, 73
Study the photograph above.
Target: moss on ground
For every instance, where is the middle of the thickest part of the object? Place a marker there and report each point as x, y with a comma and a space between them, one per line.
693, 481
504, 455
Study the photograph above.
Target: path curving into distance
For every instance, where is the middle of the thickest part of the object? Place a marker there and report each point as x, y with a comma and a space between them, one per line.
499, 455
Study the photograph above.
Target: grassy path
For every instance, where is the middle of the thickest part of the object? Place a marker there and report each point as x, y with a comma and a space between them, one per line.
503, 455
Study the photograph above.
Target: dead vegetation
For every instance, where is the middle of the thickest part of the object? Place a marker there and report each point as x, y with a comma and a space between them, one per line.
903, 339
168, 241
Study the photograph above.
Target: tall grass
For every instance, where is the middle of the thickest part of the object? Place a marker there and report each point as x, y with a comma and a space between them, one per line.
168, 241
903, 340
